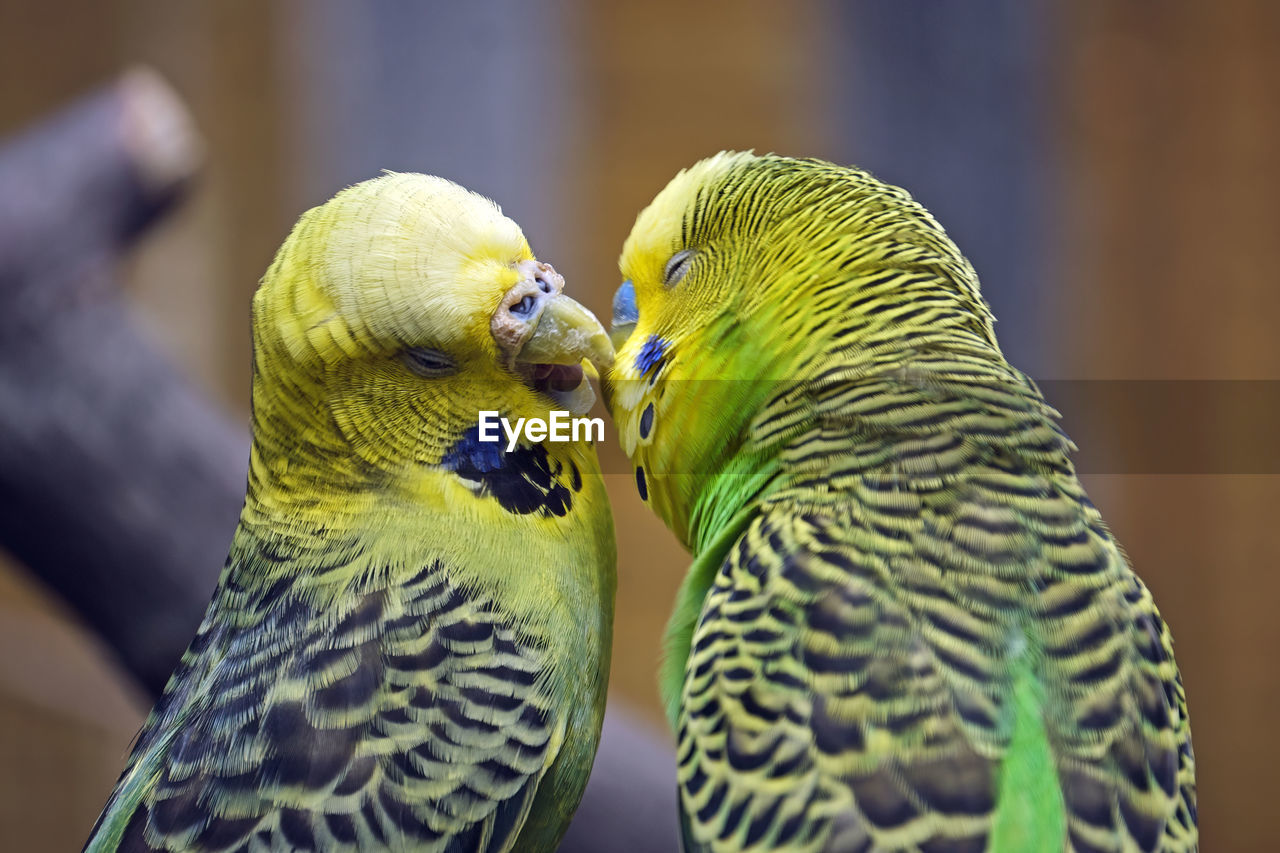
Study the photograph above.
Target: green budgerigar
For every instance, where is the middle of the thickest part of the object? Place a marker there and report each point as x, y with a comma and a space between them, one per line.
408, 647
905, 627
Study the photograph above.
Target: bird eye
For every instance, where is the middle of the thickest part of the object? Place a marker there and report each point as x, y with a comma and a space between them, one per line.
677, 267
428, 363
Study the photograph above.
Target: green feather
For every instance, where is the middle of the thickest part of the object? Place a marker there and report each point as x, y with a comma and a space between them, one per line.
714, 528
1030, 812
689, 599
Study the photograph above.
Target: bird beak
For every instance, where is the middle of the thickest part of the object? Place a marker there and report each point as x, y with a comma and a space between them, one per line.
565, 333
545, 336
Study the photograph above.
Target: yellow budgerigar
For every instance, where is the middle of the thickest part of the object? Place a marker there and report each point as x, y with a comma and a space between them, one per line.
905, 628
408, 646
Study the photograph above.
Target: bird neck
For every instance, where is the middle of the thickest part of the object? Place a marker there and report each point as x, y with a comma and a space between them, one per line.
333, 516
715, 473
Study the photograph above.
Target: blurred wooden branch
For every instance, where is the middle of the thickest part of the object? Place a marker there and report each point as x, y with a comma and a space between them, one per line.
119, 483
117, 480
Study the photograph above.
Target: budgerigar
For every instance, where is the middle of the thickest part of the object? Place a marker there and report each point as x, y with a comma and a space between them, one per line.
408, 647
905, 627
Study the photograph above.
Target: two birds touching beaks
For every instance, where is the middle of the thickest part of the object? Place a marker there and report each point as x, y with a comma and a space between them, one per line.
905, 626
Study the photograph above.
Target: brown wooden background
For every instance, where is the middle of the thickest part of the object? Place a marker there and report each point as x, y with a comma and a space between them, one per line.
1163, 131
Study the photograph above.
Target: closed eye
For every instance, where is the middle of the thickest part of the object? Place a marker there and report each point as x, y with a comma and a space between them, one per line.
428, 363
677, 267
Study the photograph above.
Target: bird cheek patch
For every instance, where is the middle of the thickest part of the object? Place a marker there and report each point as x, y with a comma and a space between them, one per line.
652, 357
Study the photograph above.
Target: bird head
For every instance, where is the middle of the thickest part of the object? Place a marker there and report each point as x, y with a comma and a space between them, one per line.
396, 312
746, 277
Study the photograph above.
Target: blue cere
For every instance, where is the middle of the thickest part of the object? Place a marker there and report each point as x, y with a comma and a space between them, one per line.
651, 354
475, 455
625, 312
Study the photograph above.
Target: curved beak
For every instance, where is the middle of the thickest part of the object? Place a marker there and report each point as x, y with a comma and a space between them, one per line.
565, 332
545, 336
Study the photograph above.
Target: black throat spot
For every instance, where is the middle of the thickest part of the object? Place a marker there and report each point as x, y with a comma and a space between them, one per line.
523, 481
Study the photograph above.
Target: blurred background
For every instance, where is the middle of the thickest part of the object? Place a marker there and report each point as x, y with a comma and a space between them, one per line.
1110, 167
